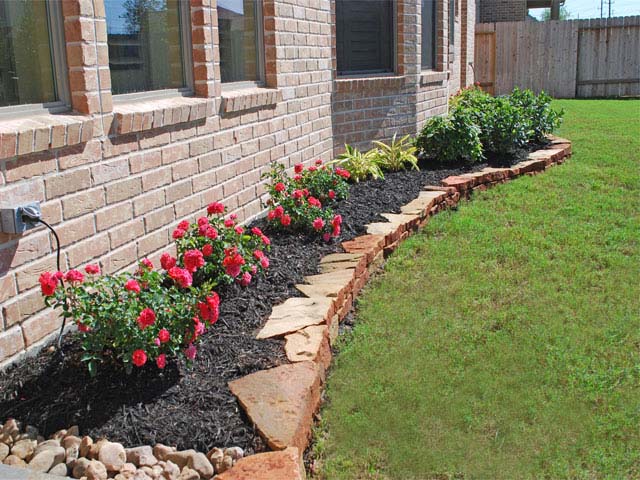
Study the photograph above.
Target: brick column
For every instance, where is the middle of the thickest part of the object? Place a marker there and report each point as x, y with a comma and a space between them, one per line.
85, 32
206, 58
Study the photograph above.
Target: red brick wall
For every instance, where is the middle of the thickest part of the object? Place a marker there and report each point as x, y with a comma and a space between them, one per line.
501, 11
114, 180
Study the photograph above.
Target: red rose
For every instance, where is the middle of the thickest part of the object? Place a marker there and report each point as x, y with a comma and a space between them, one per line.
297, 178
336, 231
315, 202
202, 229
92, 269
246, 279
181, 276
265, 240
229, 223
203, 221
271, 215
343, 173
211, 233
332, 194
193, 260
215, 208
83, 328
318, 162
239, 230
285, 220
74, 276
279, 187
297, 194
161, 361
145, 262
318, 224
312, 168
190, 352
184, 225
132, 285
337, 221
258, 254
326, 237
146, 318
298, 168
232, 264
139, 358
164, 336
210, 308
207, 250
167, 261
264, 262
256, 231
279, 211
178, 233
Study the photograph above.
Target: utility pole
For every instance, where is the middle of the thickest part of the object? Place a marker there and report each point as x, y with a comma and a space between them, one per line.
601, 8
610, 2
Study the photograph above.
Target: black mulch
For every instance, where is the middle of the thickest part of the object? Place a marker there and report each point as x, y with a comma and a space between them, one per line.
192, 407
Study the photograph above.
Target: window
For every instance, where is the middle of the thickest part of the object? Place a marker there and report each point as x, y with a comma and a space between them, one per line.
240, 32
32, 65
429, 37
149, 46
364, 36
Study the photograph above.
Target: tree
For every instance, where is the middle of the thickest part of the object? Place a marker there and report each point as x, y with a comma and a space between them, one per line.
564, 14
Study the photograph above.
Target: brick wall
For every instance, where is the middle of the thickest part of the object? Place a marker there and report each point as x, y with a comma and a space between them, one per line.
501, 11
114, 179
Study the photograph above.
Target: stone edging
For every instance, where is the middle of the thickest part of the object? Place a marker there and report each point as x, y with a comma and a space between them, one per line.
282, 401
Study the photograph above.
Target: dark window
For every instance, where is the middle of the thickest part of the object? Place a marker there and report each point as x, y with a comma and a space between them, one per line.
239, 23
146, 45
26, 61
452, 22
429, 38
364, 36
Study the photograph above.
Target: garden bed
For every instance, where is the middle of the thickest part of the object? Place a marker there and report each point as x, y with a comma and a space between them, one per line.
192, 407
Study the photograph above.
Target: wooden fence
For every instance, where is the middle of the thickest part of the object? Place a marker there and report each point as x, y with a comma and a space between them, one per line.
567, 59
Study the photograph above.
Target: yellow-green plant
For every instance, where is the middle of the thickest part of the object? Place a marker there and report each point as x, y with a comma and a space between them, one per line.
361, 165
396, 155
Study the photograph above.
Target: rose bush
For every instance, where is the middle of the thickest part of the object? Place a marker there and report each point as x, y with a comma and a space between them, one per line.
134, 318
300, 202
217, 250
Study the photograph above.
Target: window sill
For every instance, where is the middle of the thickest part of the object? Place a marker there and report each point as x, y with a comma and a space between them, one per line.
431, 77
242, 99
139, 116
354, 84
42, 132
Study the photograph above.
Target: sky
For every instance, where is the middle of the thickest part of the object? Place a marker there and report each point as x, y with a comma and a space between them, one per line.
591, 8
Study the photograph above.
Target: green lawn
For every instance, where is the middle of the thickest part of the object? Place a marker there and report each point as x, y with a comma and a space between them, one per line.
503, 341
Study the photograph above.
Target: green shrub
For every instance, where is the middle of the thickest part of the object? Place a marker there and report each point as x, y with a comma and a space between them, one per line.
360, 165
397, 155
544, 120
506, 128
451, 139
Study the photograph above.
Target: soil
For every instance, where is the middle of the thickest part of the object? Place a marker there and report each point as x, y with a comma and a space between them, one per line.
191, 406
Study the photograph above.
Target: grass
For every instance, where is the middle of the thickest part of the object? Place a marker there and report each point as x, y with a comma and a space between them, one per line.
503, 341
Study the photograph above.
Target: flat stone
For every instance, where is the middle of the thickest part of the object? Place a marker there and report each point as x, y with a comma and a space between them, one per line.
59, 470
4, 451
281, 402
341, 261
309, 344
14, 461
370, 245
296, 313
382, 228
12, 473
459, 182
330, 284
405, 220
423, 203
284, 465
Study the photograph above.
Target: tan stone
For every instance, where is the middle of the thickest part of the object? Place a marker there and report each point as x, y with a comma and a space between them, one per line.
340, 261
71, 440
188, 474
96, 471
47, 459
113, 456
281, 402
309, 344
4, 451
141, 456
161, 452
80, 467
24, 449
59, 470
284, 465
296, 313
85, 446
423, 203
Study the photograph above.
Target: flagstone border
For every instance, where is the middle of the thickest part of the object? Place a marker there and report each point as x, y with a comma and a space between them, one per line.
282, 401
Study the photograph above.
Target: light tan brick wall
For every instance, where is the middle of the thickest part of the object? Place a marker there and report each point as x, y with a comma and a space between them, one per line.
118, 180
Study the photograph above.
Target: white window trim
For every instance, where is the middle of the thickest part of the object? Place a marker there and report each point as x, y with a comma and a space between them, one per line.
59, 67
260, 82
186, 48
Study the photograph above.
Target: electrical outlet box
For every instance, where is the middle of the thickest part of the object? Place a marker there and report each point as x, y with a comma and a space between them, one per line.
11, 220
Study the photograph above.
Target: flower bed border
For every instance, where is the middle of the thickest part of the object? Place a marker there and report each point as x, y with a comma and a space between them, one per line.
282, 401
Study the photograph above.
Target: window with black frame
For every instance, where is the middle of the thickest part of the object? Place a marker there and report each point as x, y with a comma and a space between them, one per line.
148, 44
364, 36
429, 34
240, 33
32, 68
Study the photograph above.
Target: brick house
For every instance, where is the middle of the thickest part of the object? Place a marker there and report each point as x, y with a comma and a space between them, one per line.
489, 11
122, 117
